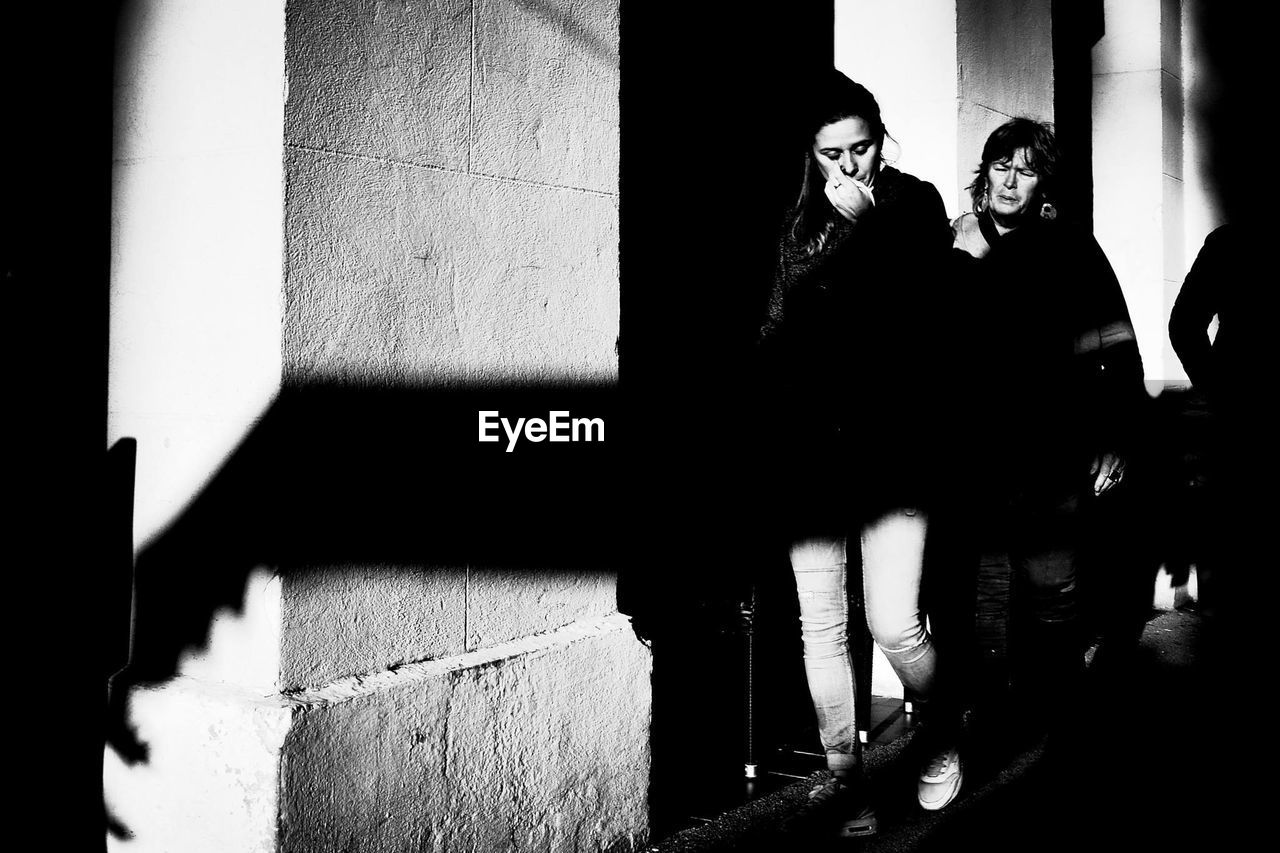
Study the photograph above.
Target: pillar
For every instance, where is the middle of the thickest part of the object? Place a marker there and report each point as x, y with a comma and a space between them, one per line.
369, 197
1138, 174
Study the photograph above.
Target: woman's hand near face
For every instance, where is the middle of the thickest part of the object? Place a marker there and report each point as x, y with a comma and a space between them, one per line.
850, 197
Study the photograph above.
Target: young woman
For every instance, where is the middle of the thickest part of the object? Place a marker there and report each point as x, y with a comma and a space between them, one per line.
850, 349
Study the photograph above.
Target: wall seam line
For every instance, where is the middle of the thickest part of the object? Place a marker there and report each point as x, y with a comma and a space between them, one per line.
471, 88
502, 179
990, 108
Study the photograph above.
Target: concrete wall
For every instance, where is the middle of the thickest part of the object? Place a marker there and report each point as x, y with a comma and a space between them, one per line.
452, 218
875, 44
385, 195
528, 745
342, 621
1004, 60
1203, 211
450, 210
1173, 119
214, 736
1138, 173
452, 205
197, 247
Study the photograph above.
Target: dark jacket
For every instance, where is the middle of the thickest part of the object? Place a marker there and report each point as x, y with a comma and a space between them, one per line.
1046, 398
1226, 281
848, 354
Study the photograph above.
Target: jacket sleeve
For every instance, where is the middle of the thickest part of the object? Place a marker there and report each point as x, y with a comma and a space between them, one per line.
1192, 313
797, 275
1115, 362
773, 313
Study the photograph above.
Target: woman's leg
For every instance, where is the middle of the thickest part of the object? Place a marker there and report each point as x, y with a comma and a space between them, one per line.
1045, 553
892, 570
821, 569
892, 574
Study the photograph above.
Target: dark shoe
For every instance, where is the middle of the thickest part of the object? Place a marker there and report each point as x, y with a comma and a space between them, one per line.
834, 806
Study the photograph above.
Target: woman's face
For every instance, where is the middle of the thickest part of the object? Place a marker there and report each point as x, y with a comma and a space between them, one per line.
1011, 187
848, 147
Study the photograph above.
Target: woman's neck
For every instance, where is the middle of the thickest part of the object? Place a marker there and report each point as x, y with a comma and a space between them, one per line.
1003, 226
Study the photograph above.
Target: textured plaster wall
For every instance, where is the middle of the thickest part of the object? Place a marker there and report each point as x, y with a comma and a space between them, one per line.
527, 746
197, 248
1138, 175
1005, 63
211, 782
384, 194
451, 217
1173, 176
214, 737
876, 44
451, 192
344, 621
535, 739
403, 274
1201, 90
1202, 211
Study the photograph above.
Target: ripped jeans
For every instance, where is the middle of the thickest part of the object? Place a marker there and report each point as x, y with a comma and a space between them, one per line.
892, 569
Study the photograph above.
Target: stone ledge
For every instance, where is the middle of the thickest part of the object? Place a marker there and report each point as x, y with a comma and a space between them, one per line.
343, 620
346, 621
538, 744
358, 686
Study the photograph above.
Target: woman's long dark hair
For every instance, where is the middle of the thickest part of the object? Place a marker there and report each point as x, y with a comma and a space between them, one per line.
831, 98
1043, 155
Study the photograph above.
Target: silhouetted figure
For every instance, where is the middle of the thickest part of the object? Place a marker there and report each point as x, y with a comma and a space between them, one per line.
1059, 399
1226, 282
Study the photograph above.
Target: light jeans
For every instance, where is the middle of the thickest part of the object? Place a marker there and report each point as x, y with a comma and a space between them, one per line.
892, 568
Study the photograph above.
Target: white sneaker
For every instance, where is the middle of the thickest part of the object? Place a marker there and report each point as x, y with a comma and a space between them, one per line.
940, 780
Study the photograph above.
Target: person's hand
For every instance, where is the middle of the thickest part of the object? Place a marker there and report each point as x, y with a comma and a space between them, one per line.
1107, 471
850, 197
967, 236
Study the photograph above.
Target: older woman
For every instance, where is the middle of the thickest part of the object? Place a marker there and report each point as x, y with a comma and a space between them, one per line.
847, 339
1059, 391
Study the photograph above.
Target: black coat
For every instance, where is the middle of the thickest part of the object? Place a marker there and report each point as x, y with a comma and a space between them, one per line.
1227, 281
849, 352
1040, 409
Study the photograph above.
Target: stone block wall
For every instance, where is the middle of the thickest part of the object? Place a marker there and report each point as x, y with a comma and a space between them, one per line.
409, 194
451, 191
528, 745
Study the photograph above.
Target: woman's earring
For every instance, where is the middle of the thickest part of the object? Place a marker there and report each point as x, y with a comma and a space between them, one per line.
1048, 212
